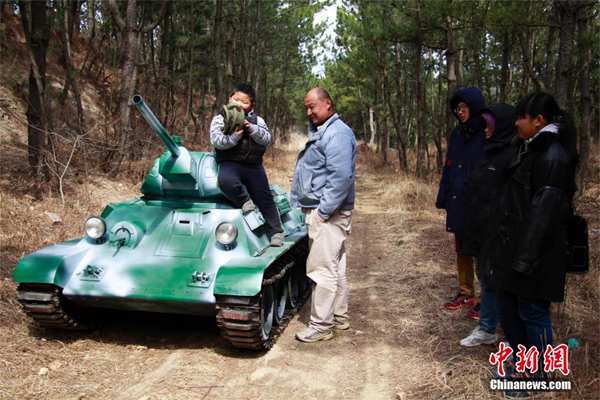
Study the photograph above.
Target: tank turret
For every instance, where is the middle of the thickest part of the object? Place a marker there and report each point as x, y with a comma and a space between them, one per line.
177, 173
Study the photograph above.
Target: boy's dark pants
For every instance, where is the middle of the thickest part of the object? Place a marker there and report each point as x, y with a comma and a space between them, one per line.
241, 182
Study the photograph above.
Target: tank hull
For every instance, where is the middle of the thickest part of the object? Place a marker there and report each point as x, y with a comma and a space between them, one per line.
158, 271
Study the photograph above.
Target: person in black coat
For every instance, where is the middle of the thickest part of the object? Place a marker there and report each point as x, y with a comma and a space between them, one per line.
529, 258
485, 182
465, 149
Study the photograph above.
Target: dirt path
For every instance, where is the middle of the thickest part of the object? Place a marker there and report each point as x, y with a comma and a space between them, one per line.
364, 362
396, 346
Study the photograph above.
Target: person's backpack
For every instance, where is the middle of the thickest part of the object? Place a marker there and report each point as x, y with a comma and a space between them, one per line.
578, 247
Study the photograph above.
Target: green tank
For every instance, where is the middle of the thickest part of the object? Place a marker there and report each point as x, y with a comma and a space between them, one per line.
182, 248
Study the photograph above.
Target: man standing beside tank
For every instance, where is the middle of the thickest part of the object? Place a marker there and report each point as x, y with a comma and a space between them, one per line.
323, 186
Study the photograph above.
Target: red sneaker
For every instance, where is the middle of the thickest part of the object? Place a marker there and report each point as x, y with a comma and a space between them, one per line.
473, 313
460, 301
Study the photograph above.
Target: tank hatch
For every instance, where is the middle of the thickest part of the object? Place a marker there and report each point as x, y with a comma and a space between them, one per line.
186, 238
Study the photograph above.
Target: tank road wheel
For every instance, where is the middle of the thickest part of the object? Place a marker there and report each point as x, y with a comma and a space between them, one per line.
50, 309
267, 310
281, 289
303, 281
292, 288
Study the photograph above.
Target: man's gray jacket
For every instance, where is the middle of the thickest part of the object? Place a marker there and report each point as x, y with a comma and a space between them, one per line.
324, 175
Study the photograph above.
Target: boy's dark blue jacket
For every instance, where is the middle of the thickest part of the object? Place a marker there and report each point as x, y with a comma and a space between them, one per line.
465, 148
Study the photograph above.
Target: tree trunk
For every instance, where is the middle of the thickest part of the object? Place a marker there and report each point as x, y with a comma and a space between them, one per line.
596, 117
386, 132
204, 139
160, 73
132, 34
264, 103
435, 122
127, 82
511, 71
459, 65
362, 109
282, 96
440, 117
170, 73
36, 27
73, 16
526, 41
229, 62
189, 112
396, 121
70, 79
420, 92
400, 141
91, 20
217, 54
506, 50
380, 128
452, 78
476, 41
242, 67
550, 54
372, 124
250, 67
563, 86
585, 99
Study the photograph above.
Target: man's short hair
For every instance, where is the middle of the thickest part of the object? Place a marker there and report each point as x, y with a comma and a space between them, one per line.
246, 89
323, 94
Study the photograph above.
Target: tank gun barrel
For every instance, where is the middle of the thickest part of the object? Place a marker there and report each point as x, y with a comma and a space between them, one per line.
164, 136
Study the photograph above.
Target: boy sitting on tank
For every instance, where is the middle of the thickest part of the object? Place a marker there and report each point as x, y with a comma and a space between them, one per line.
239, 153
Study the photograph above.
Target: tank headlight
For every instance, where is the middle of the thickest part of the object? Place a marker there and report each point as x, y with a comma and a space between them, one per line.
94, 227
226, 233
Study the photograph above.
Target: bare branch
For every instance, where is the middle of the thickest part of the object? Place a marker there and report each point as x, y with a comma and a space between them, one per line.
114, 10
161, 16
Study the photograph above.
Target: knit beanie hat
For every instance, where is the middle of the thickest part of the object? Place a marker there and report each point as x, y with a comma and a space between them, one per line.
490, 121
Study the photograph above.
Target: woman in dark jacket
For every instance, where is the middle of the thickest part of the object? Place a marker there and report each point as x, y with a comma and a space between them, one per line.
482, 194
488, 175
465, 149
528, 262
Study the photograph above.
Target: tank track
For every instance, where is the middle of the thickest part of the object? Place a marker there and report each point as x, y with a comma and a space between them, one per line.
46, 305
239, 318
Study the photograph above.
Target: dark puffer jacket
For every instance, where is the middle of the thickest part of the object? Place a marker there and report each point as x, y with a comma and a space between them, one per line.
465, 149
529, 257
485, 183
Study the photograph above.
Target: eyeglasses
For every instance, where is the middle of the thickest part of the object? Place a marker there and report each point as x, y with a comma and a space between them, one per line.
461, 109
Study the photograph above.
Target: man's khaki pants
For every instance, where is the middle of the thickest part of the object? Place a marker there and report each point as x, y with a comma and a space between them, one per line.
326, 267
